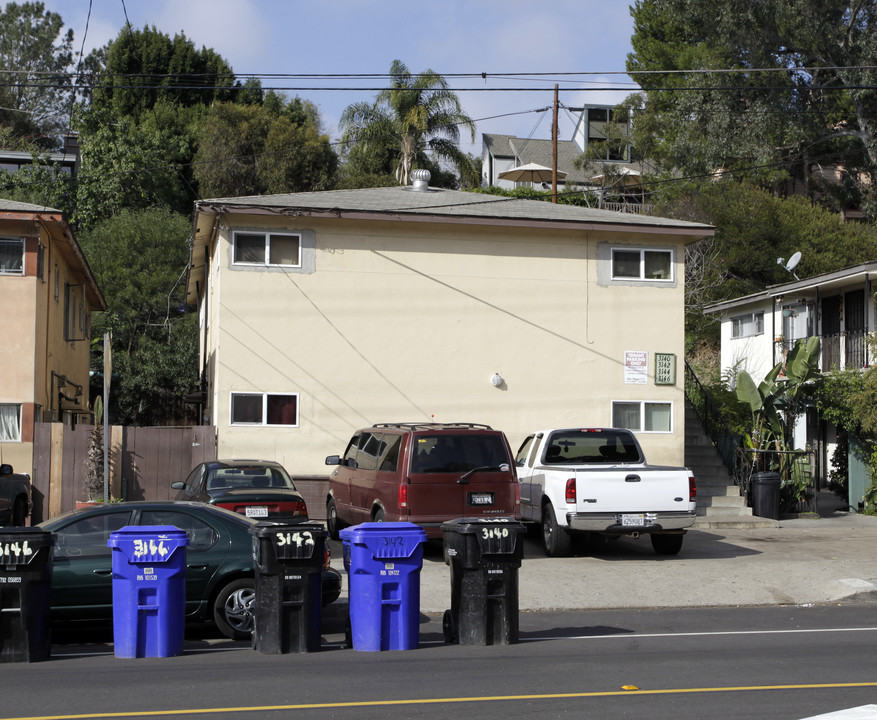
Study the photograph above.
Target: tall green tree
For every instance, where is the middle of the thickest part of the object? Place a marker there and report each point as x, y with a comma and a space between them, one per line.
416, 122
268, 148
139, 259
35, 56
140, 68
794, 86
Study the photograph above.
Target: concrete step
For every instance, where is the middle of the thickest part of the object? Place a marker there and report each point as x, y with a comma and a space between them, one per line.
709, 489
740, 522
721, 501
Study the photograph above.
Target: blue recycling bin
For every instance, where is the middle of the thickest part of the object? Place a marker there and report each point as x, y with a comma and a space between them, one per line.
385, 560
149, 590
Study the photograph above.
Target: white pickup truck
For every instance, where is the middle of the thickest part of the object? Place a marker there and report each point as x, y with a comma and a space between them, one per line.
596, 480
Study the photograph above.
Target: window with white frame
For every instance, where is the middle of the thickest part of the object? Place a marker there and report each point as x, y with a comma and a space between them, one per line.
642, 264
10, 422
266, 249
643, 416
747, 325
11, 256
264, 409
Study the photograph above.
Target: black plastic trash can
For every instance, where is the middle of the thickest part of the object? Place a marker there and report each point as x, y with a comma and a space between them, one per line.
766, 495
484, 556
25, 591
288, 559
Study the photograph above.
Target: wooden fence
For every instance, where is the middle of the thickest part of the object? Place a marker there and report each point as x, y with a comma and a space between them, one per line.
144, 461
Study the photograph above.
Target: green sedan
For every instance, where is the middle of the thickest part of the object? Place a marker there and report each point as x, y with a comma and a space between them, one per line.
220, 583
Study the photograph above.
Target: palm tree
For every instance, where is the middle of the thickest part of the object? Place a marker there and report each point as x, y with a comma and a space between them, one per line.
418, 117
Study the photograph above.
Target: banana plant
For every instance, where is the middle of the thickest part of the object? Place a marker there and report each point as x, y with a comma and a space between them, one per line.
774, 402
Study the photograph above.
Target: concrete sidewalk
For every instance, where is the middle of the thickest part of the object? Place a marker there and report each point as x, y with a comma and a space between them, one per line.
803, 561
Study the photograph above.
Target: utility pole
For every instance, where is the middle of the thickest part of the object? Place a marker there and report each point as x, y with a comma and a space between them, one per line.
554, 151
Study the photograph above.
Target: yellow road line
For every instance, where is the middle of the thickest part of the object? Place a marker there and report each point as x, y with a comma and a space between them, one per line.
439, 701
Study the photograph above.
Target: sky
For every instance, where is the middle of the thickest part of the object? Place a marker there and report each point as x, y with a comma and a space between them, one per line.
580, 45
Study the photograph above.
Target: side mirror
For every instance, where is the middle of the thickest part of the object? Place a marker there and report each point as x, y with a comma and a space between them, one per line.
333, 460
5, 469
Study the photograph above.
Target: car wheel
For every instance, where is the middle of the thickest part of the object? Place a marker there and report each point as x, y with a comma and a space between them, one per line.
667, 544
234, 607
380, 516
19, 512
334, 525
557, 540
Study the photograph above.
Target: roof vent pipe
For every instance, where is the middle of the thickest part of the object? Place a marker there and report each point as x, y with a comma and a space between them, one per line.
420, 180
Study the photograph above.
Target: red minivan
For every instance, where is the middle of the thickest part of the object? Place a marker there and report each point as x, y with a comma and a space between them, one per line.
424, 473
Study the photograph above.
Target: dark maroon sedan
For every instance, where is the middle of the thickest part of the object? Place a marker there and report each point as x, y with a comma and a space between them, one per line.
255, 488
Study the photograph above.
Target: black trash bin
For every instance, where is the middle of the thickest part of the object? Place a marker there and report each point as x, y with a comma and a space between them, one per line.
484, 556
25, 591
288, 560
766, 495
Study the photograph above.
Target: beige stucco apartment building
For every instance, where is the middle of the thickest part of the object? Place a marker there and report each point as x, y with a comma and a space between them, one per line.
47, 293
325, 312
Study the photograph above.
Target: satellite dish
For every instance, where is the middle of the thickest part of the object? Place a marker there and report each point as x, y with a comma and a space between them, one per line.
791, 264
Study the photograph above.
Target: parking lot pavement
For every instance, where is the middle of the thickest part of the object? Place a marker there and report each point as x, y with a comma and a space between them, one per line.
803, 561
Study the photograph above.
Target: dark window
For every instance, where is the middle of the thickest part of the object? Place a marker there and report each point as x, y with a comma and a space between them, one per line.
88, 537
201, 535
457, 453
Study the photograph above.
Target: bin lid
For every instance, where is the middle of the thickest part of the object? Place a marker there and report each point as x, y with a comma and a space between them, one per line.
18, 545
496, 536
386, 539
148, 543
292, 540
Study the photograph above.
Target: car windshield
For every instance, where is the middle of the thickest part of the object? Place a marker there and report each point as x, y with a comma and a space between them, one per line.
458, 453
605, 447
256, 476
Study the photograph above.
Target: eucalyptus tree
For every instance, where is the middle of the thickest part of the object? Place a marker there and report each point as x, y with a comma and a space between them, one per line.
415, 123
35, 60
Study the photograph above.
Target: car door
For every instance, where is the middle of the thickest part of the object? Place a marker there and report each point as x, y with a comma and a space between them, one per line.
524, 469
82, 567
363, 475
205, 552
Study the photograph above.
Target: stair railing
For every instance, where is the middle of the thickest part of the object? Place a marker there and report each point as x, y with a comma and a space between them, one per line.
714, 423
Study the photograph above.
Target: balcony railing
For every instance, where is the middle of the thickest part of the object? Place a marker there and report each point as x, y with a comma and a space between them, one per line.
845, 351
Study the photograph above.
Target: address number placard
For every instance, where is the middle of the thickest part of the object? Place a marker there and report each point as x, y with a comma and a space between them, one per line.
665, 369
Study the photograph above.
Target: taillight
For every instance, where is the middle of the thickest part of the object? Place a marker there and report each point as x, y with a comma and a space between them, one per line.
692, 489
327, 558
403, 496
571, 490
517, 494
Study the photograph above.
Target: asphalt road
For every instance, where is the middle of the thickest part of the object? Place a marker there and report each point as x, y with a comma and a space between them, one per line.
781, 663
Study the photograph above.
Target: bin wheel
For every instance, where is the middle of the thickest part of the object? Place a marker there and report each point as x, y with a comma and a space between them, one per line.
449, 627
333, 523
233, 609
667, 544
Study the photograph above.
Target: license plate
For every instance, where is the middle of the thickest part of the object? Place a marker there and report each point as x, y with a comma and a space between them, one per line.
633, 520
256, 511
485, 498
